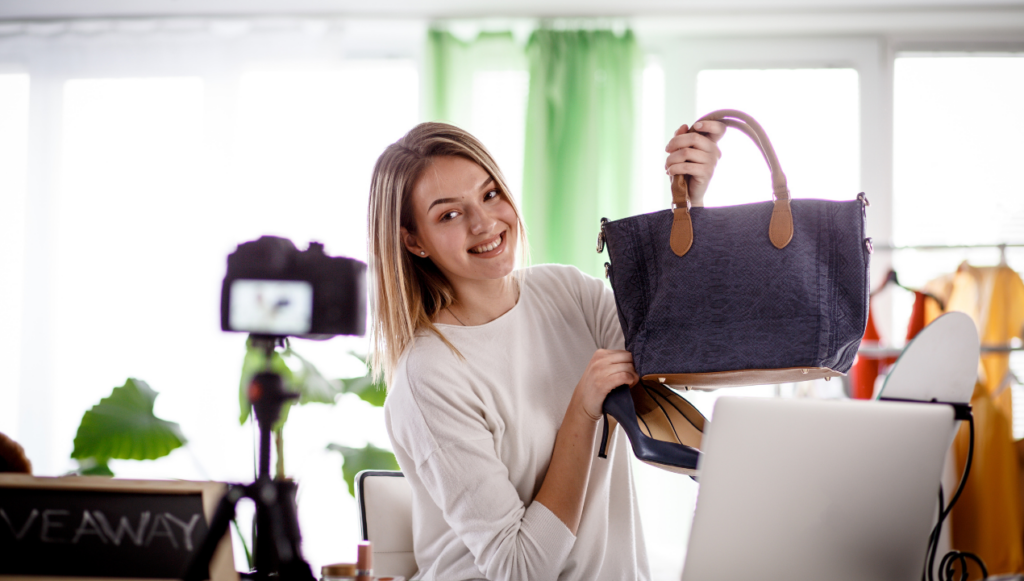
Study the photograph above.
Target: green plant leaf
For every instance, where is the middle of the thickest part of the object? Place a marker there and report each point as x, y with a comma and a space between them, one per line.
364, 387
245, 545
368, 391
312, 386
355, 460
253, 363
123, 426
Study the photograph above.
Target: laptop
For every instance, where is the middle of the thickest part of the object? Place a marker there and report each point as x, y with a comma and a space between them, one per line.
792, 489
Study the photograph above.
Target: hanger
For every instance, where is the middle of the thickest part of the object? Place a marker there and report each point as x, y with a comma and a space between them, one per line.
892, 278
1008, 379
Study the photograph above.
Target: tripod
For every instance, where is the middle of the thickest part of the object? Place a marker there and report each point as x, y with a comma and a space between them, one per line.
276, 548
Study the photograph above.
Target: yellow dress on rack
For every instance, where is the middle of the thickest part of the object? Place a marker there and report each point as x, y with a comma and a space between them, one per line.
988, 520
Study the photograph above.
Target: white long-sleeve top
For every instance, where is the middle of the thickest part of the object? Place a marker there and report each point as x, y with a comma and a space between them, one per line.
474, 437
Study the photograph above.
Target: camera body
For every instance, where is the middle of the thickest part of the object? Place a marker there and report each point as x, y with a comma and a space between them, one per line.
272, 288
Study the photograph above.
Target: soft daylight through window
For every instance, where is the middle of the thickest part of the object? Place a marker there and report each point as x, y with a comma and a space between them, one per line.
813, 119
163, 177
957, 158
14, 94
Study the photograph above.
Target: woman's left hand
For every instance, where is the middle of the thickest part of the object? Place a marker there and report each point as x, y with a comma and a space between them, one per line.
695, 154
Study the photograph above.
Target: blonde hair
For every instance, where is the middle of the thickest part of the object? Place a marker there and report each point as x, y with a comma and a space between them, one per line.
408, 291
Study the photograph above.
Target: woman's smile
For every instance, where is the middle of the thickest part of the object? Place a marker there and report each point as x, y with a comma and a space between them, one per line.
492, 247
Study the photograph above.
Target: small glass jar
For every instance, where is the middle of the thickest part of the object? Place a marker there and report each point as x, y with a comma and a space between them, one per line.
338, 572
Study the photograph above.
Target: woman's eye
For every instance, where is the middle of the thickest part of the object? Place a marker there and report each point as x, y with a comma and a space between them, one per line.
449, 216
491, 195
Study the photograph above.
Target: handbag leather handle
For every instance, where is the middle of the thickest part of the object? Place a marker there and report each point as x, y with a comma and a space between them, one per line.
780, 228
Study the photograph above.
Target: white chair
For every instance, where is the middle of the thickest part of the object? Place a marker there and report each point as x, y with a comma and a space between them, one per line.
385, 517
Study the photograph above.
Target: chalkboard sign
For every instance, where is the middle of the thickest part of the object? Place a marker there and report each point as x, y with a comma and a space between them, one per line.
74, 527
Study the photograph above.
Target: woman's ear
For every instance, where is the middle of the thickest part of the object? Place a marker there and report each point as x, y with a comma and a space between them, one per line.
412, 244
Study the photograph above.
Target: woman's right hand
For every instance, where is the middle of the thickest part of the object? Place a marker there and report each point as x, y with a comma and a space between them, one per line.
608, 369
695, 154
565, 484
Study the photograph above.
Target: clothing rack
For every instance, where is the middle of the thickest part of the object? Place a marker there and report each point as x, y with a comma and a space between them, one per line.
884, 352
886, 247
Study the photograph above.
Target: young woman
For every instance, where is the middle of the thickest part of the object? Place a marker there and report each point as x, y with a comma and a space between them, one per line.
497, 376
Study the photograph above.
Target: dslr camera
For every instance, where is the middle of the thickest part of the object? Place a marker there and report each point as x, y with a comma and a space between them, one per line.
271, 288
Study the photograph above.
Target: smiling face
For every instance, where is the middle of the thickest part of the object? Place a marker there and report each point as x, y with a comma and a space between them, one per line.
464, 223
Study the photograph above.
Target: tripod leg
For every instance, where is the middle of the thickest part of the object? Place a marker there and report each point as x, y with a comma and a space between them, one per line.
280, 537
297, 569
199, 567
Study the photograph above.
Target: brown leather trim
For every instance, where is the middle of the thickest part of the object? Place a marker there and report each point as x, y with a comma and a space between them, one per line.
681, 237
740, 377
780, 229
680, 191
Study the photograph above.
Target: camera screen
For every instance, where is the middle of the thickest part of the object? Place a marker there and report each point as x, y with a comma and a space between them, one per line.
274, 307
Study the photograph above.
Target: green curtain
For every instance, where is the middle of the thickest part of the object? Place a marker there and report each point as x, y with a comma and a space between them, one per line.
450, 65
580, 135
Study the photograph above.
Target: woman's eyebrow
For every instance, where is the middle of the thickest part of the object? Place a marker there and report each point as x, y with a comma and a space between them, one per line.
486, 183
442, 201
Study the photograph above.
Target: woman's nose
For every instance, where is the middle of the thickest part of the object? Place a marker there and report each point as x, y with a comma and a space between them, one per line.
481, 221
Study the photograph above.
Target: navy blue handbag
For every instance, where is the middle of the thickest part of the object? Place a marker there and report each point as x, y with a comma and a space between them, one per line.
761, 293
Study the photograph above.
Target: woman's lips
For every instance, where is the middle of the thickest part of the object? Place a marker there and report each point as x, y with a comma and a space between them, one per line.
489, 248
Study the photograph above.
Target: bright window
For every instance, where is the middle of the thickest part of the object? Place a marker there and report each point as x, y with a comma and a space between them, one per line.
160, 179
14, 95
957, 178
654, 184
498, 120
957, 150
957, 159
812, 118
130, 267
304, 146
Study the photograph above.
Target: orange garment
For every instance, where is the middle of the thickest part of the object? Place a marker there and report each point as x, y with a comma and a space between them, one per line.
865, 370
994, 298
917, 318
988, 519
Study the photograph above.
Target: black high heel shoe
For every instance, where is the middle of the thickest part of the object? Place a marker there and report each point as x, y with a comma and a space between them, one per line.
664, 429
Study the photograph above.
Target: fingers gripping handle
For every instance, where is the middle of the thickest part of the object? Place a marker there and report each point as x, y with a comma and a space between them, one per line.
780, 228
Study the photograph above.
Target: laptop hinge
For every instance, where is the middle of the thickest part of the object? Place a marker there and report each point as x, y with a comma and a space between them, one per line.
961, 411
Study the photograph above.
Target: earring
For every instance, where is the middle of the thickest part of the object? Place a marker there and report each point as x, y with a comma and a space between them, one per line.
422, 253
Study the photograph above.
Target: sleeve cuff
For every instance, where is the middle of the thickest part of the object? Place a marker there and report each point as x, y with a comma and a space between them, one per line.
548, 531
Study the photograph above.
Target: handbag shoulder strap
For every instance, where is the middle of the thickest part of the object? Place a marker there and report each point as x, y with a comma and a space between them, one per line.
780, 228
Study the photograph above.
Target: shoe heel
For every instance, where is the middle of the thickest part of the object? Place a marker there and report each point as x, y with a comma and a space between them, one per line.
602, 452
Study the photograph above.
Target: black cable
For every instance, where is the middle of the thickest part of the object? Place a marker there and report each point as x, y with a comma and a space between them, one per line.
933, 543
946, 566
961, 557
967, 468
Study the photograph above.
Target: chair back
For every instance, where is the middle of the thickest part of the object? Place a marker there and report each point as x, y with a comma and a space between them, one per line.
385, 517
